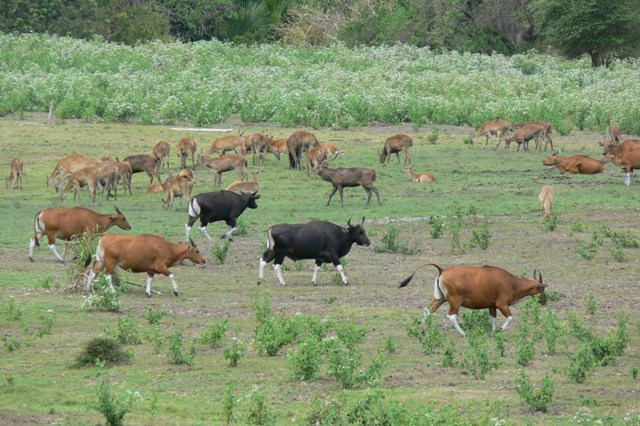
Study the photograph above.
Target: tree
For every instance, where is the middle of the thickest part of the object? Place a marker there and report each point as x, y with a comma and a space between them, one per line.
603, 29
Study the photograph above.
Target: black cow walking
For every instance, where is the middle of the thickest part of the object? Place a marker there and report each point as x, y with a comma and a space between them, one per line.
319, 240
222, 205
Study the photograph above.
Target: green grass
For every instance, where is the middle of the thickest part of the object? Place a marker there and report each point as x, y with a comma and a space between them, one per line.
501, 185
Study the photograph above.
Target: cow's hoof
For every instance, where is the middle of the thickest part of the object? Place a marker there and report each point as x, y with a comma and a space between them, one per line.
148, 294
223, 236
230, 239
259, 282
61, 262
175, 293
314, 284
31, 259
346, 284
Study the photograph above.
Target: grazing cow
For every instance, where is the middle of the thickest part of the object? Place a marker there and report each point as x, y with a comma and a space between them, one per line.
486, 287
187, 147
65, 223
140, 253
144, 163
16, 173
222, 205
546, 197
161, 151
322, 241
496, 127
395, 144
576, 164
629, 160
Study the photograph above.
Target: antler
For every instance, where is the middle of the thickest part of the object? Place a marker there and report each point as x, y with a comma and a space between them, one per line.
117, 209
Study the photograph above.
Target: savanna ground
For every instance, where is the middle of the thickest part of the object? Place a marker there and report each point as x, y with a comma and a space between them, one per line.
41, 386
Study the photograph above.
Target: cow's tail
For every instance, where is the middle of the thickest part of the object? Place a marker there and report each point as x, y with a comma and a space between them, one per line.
408, 279
88, 241
37, 226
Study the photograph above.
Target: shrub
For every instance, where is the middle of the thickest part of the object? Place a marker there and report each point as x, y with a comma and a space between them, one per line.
437, 227
552, 330
229, 403
618, 254
13, 312
481, 237
304, 363
475, 320
234, 352
214, 335
391, 245
126, 331
626, 239
350, 334
104, 349
550, 223
525, 350
634, 372
448, 356
433, 137
259, 411
577, 226
536, 401
154, 317
156, 338
592, 305
220, 251
587, 252
345, 365
432, 336
177, 352
500, 343
582, 364
242, 228
113, 407
476, 359
103, 298
274, 334
390, 345
46, 281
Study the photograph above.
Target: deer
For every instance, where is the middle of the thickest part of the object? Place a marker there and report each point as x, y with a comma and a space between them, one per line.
177, 187
395, 144
161, 152
16, 173
261, 144
315, 156
297, 142
227, 163
280, 146
523, 135
546, 197
419, 177
331, 148
348, 177
91, 177
187, 147
545, 134
221, 145
496, 127
244, 186
613, 134
67, 166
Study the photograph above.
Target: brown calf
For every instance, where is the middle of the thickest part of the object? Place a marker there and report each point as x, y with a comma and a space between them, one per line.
546, 197
140, 253
486, 287
224, 164
65, 223
420, 177
16, 173
161, 151
395, 144
576, 164
496, 127
187, 147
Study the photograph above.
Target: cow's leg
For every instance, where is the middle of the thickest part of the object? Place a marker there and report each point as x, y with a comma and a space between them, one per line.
504, 309
454, 307
492, 314
92, 274
340, 189
52, 247
338, 266
203, 229
231, 226
149, 279
277, 267
429, 309
34, 242
335, 188
316, 268
162, 269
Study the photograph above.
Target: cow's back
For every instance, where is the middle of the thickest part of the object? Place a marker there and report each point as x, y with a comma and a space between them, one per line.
219, 205
71, 220
305, 238
128, 250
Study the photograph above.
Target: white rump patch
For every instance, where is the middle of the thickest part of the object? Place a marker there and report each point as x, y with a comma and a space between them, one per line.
194, 208
39, 227
439, 292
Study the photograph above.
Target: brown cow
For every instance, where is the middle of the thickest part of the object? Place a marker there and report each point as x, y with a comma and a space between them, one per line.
65, 223
616, 149
140, 253
486, 287
576, 164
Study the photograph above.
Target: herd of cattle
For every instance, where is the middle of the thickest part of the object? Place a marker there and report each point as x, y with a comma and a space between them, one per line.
475, 288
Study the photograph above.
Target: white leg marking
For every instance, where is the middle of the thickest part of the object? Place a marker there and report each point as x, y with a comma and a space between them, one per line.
454, 321
52, 247
32, 244
110, 281
149, 279
204, 231
92, 276
316, 268
261, 274
506, 324
344, 277
187, 231
493, 324
279, 274
174, 284
228, 234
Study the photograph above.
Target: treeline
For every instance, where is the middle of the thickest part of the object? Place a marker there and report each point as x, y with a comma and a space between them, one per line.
600, 28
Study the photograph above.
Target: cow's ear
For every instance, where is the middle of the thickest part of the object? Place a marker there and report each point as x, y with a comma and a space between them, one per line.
113, 217
362, 223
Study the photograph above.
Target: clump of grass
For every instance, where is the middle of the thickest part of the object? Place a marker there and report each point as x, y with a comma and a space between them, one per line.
12, 311
259, 411
481, 237
178, 353
229, 403
390, 243
592, 305
435, 134
242, 228
304, 362
113, 406
104, 349
437, 226
432, 336
215, 334
153, 316
390, 345
220, 251
550, 223
577, 226
126, 331
477, 359
156, 338
235, 352
535, 400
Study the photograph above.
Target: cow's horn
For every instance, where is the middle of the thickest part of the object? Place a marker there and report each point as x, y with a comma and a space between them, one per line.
362, 220
349, 221
540, 276
535, 274
193, 243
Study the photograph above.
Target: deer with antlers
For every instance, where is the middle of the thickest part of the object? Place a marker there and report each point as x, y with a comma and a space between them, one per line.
342, 177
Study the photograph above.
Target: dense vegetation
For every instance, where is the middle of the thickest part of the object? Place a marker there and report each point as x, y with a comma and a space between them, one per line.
599, 28
205, 82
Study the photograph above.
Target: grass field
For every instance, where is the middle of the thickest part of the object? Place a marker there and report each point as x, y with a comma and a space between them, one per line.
40, 385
